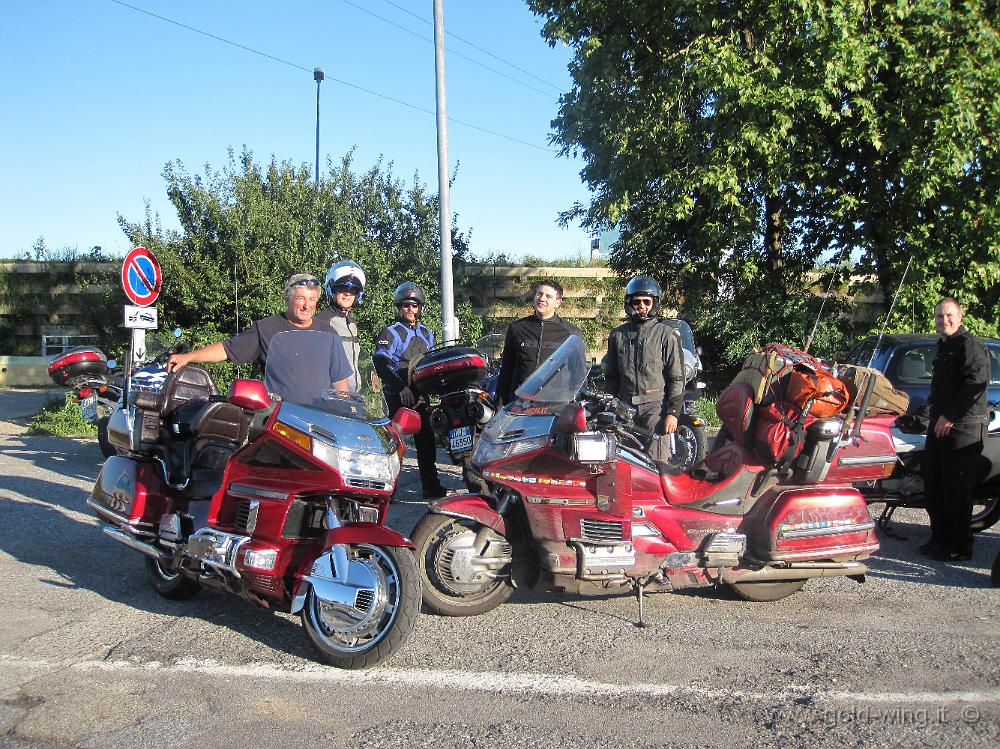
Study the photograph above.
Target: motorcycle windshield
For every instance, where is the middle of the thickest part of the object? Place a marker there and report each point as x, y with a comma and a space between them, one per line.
560, 378
348, 405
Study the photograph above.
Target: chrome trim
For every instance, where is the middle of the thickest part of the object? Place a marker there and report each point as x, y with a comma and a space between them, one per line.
216, 550
829, 531
134, 543
120, 520
253, 491
868, 460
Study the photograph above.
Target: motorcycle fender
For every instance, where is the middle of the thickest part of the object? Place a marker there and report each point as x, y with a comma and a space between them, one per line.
366, 533
470, 507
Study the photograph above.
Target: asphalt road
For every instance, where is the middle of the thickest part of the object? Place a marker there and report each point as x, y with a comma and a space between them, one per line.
91, 657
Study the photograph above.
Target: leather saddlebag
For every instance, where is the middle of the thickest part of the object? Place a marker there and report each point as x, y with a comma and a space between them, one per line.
778, 432
885, 399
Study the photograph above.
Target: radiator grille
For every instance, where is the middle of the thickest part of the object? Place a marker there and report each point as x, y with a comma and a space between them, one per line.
263, 583
601, 530
246, 516
367, 484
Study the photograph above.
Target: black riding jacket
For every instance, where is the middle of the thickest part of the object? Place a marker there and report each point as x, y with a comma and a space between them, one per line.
961, 376
645, 365
529, 342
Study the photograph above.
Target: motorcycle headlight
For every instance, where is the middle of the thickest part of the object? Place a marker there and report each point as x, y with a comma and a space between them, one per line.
489, 452
358, 465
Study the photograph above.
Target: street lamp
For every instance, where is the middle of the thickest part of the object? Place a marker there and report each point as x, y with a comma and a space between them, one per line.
318, 77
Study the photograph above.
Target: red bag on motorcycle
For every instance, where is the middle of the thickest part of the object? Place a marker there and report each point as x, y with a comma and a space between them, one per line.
826, 394
735, 410
778, 432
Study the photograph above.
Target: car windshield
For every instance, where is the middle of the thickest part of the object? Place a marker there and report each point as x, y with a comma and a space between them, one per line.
560, 377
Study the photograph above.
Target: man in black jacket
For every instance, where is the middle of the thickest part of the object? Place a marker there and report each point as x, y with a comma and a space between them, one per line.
952, 462
532, 339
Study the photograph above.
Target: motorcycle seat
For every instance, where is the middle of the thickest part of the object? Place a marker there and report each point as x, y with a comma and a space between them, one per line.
214, 419
728, 473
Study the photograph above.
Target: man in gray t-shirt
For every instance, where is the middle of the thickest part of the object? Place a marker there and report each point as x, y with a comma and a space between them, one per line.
301, 360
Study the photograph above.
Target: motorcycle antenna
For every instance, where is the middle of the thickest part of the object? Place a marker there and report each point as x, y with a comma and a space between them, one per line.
885, 324
821, 306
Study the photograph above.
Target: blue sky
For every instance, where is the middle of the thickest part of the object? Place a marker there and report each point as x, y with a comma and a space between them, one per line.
97, 97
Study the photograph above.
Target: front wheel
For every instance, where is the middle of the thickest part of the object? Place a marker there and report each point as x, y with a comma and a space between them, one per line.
170, 583
985, 509
767, 591
464, 566
383, 614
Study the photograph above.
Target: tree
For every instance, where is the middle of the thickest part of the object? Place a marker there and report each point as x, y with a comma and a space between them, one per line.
737, 145
246, 228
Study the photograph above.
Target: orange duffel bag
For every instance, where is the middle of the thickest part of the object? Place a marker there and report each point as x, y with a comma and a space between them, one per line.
828, 394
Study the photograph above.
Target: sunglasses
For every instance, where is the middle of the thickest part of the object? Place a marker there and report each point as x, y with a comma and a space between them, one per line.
641, 302
408, 305
345, 289
312, 283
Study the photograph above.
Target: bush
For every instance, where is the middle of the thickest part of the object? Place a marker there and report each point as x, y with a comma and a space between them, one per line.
62, 420
706, 409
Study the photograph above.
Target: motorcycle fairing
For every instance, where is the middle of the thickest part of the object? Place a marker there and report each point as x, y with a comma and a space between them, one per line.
367, 533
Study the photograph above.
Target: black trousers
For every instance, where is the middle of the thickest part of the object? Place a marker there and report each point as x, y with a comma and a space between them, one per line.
952, 467
424, 442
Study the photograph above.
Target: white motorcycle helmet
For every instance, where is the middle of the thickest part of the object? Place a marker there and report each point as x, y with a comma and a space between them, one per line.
345, 274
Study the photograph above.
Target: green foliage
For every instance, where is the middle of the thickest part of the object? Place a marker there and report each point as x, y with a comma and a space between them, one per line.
247, 227
62, 419
738, 145
705, 407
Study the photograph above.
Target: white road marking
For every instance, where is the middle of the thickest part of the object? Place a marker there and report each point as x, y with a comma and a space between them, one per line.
502, 683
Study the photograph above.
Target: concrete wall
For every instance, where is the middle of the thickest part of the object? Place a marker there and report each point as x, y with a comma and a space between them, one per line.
24, 371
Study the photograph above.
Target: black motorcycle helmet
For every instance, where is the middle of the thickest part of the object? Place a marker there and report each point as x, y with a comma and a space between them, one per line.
642, 286
409, 292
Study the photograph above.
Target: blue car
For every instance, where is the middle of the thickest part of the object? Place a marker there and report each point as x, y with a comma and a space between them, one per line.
907, 358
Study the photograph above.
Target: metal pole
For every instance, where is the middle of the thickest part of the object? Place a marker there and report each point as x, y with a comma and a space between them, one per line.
449, 323
318, 77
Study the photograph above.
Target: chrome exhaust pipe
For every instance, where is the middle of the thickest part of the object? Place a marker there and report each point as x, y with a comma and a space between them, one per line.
808, 570
133, 543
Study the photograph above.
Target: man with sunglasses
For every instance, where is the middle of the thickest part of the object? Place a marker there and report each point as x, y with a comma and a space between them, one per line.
532, 339
395, 348
644, 361
301, 359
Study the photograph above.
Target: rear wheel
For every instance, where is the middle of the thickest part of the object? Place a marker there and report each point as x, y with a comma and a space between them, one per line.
170, 583
382, 616
102, 437
465, 567
767, 591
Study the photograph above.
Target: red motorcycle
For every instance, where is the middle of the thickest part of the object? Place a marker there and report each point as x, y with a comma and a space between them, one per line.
278, 503
577, 506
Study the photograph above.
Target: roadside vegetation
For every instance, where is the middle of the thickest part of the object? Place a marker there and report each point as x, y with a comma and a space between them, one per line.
63, 419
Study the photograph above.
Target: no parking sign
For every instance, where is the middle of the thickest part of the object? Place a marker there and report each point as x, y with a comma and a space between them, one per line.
141, 277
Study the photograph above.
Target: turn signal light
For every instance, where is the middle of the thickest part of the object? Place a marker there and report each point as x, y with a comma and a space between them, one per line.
293, 435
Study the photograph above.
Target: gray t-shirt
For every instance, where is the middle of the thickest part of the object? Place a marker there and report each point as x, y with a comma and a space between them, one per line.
299, 363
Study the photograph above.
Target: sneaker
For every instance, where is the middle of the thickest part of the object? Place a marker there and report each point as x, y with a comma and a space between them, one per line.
951, 555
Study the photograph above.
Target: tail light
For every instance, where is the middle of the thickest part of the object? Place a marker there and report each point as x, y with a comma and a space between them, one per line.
806, 522
85, 393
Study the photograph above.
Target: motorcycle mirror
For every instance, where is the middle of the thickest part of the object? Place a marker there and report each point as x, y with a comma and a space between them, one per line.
407, 419
177, 332
112, 363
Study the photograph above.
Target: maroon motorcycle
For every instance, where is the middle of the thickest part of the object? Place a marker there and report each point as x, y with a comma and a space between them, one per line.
278, 503
576, 505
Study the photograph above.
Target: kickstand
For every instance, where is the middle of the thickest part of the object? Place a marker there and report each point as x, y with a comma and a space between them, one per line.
885, 518
638, 584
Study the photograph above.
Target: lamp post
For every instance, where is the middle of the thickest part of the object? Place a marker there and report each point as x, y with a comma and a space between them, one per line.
449, 323
318, 77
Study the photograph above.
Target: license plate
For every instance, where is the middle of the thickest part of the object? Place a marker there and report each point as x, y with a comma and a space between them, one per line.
460, 440
89, 407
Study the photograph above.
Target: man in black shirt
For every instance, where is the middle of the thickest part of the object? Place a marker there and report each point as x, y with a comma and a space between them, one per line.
952, 462
532, 339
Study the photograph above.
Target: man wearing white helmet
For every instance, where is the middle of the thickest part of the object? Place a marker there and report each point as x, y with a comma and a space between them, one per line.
345, 289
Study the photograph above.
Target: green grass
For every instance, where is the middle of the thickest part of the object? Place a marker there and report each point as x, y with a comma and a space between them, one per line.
62, 419
706, 409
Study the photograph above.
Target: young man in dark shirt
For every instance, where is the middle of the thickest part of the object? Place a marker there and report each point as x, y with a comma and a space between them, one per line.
532, 339
952, 461
301, 360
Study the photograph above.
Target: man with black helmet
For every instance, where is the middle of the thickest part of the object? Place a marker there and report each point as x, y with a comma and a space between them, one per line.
395, 347
644, 361
345, 289
532, 339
